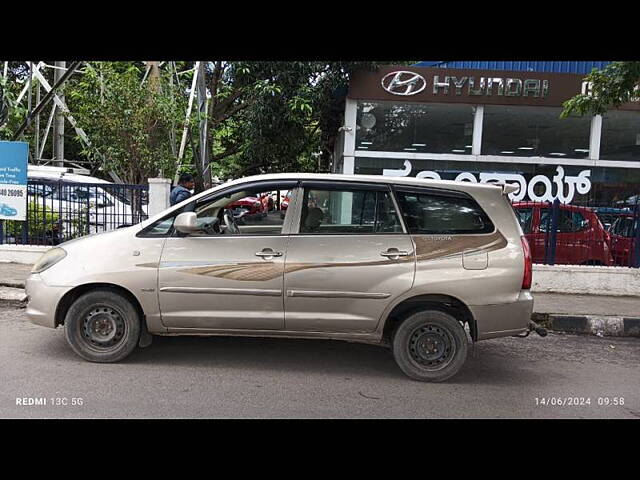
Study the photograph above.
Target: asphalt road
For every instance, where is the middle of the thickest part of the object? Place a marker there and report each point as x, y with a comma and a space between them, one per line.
277, 378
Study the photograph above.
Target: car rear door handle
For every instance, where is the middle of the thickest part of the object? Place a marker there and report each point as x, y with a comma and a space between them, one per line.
267, 252
394, 253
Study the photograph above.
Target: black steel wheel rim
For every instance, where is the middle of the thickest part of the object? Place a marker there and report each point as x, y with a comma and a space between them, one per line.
103, 328
432, 347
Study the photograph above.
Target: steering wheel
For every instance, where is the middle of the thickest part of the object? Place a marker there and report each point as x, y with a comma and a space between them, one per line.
230, 222
211, 228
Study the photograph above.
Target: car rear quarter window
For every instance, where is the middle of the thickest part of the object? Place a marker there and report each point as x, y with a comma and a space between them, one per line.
437, 214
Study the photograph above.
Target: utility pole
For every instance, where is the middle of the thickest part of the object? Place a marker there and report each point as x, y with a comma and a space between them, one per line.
203, 158
58, 124
183, 142
37, 128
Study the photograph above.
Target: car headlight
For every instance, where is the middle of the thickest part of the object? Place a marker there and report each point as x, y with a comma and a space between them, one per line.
49, 259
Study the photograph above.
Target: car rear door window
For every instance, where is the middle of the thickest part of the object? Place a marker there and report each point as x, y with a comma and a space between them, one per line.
434, 213
348, 211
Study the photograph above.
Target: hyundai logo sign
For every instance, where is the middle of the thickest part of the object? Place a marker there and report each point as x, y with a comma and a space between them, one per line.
404, 83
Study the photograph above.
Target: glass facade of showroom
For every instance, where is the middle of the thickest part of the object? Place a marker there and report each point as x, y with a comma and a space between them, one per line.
514, 131
451, 133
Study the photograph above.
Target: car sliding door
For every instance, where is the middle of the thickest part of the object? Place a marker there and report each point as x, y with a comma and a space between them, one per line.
347, 258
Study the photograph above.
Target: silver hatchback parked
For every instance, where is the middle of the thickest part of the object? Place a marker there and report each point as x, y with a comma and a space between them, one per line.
418, 265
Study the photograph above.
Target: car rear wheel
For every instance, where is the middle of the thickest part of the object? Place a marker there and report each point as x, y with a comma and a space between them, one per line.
102, 326
430, 346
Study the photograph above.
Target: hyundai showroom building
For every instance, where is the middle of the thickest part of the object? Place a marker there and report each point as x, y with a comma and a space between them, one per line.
492, 121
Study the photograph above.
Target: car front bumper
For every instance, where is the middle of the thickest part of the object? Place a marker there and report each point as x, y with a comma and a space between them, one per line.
42, 301
504, 319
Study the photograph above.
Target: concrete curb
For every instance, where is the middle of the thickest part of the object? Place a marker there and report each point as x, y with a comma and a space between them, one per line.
12, 284
12, 296
600, 325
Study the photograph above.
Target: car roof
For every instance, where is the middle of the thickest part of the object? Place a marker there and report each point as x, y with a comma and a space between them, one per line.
468, 187
67, 177
409, 181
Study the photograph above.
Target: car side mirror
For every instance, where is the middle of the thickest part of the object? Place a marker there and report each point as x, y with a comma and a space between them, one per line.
186, 222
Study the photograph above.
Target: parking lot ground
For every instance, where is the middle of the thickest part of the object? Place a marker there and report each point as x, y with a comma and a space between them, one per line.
180, 377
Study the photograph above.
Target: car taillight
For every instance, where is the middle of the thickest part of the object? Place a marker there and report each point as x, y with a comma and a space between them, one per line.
528, 264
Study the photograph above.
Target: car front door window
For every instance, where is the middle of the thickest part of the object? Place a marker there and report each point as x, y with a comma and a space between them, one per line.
243, 212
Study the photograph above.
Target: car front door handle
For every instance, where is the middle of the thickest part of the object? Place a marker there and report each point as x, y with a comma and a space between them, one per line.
267, 252
394, 253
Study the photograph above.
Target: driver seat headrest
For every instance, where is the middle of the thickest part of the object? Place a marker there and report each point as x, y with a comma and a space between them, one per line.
313, 219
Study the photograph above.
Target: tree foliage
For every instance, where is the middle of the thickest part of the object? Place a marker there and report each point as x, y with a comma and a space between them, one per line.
12, 113
128, 123
276, 116
612, 86
261, 117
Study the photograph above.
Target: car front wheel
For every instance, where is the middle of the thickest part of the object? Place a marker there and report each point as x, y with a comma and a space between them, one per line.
102, 326
430, 346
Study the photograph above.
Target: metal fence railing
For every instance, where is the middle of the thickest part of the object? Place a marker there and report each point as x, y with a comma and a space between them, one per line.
563, 234
58, 211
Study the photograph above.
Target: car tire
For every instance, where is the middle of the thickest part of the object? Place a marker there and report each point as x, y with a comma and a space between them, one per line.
430, 346
102, 326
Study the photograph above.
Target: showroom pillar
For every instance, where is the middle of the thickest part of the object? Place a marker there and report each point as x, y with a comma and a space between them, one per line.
350, 112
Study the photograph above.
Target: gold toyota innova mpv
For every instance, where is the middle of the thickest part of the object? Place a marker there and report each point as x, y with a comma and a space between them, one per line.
421, 266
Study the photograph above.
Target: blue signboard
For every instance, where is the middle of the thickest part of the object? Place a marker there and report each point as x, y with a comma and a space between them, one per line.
13, 180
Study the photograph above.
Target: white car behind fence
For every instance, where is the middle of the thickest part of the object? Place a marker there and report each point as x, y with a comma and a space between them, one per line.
62, 206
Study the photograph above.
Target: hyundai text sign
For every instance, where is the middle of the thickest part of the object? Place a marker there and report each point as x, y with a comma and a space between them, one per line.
13, 180
401, 84
411, 83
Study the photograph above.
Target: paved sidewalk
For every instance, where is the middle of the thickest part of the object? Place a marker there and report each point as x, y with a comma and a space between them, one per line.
597, 314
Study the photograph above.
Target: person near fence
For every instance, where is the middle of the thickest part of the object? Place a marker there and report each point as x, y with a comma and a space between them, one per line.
183, 190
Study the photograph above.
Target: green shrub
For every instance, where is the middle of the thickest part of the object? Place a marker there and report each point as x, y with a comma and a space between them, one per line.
41, 220
80, 222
